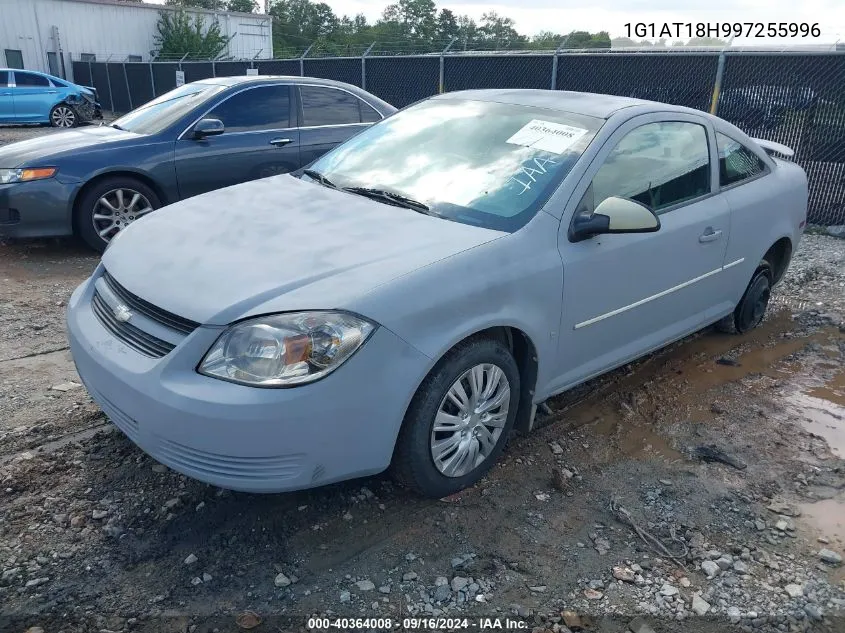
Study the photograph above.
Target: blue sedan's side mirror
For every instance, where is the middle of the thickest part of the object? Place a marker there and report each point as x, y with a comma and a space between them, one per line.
208, 127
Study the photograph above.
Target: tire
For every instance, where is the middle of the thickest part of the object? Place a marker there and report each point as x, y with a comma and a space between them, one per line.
751, 309
63, 116
414, 463
97, 223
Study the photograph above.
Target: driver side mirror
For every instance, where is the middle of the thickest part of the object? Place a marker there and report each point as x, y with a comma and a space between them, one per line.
208, 127
614, 215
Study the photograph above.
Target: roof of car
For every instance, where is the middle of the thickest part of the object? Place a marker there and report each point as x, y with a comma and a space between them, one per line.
588, 103
243, 79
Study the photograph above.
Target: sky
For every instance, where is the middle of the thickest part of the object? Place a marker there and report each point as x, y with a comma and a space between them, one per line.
563, 16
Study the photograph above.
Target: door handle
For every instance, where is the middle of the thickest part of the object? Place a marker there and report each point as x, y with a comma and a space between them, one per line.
710, 235
280, 142
51, 92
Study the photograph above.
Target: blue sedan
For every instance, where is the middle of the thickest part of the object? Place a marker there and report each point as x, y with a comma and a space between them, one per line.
94, 181
31, 97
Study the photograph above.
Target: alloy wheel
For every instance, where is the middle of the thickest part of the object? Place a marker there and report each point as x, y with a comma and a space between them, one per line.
470, 420
63, 116
116, 209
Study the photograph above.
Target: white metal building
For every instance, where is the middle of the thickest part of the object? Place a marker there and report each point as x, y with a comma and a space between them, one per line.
47, 35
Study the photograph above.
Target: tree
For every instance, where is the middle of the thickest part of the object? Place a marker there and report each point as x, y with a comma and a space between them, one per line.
498, 31
447, 25
416, 18
178, 34
214, 5
242, 6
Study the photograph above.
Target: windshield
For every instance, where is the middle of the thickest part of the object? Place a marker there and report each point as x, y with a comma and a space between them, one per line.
164, 111
476, 162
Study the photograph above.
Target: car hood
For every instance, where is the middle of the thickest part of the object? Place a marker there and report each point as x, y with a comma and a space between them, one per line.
275, 245
48, 146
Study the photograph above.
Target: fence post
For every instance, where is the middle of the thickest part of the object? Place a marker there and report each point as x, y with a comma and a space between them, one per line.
555, 63
717, 86
441, 87
128, 90
302, 60
364, 66
108, 82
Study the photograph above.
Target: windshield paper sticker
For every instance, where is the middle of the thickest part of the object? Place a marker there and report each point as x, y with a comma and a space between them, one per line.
547, 136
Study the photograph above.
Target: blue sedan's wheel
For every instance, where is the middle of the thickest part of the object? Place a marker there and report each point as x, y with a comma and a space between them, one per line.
109, 206
459, 420
62, 115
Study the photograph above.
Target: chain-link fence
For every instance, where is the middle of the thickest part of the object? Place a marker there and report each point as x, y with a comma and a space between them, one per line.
794, 98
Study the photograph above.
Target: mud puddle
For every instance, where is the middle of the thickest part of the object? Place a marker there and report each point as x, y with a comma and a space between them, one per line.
821, 411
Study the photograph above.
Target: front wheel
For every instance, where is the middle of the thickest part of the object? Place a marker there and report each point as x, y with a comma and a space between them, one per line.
63, 116
111, 205
459, 420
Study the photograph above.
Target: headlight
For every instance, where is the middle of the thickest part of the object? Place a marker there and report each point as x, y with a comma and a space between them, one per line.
285, 349
25, 175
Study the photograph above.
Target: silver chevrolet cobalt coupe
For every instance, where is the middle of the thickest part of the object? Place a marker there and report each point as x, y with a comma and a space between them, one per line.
410, 298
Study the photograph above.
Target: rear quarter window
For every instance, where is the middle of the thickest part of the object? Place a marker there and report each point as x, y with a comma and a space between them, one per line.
736, 162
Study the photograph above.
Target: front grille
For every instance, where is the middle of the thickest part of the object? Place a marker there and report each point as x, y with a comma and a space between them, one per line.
139, 340
136, 304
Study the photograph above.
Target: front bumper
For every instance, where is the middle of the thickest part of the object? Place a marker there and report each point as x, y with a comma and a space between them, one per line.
246, 438
36, 209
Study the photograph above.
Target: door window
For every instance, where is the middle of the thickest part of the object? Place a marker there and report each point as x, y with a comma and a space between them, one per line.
4, 78
256, 109
29, 80
736, 162
329, 106
14, 58
658, 165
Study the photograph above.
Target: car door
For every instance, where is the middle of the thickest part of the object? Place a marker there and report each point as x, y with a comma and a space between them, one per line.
7, 103
34, 96
259, 140
626, 294
330, 115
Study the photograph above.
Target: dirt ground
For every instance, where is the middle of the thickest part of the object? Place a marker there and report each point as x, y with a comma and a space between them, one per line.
606, 518
604, 513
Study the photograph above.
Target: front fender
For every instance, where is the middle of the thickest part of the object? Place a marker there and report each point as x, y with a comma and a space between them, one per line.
515, 281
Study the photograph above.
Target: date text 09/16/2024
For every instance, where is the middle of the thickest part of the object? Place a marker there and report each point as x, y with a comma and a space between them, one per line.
689, 30
416, 624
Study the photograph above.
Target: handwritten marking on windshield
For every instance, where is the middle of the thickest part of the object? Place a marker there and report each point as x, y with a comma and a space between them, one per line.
528, 173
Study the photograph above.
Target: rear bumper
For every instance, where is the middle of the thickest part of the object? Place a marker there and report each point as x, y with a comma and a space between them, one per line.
36, 209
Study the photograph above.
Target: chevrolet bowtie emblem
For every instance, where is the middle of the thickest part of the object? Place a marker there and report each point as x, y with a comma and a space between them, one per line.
122, 313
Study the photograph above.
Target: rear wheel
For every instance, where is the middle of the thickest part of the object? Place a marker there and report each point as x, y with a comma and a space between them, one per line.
63, 116
751, 309
459, 420
111, 205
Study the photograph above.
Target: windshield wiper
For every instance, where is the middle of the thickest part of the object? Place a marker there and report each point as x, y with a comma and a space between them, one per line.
392, 198
117, 127
315, 175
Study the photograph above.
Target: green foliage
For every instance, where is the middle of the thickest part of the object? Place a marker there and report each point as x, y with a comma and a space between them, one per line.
244, 6
179, 34
406, 26
214, 5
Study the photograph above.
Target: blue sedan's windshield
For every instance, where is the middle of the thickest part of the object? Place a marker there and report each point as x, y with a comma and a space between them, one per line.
477, 162
160, 113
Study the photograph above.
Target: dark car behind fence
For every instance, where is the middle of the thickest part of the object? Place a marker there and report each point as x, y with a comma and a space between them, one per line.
794, 98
